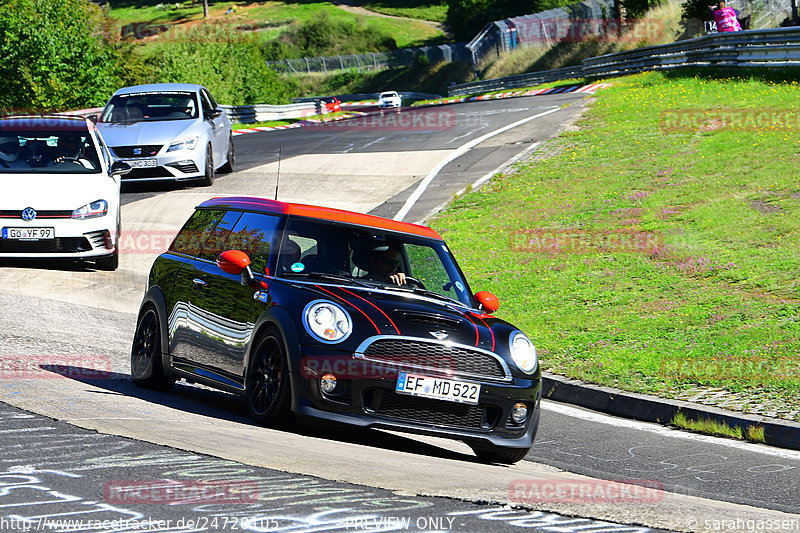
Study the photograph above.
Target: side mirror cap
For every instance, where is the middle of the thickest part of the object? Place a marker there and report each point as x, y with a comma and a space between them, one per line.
119, 168
215, 113
488, 301
233, 262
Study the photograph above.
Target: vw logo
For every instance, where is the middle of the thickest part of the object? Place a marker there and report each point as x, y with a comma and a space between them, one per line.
28, 213
439, 335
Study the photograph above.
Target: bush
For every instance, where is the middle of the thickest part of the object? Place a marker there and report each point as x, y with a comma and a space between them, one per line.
55, 55
228, 63
321, 36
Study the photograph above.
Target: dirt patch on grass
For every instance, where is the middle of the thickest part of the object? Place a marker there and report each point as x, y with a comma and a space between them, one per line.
764, 207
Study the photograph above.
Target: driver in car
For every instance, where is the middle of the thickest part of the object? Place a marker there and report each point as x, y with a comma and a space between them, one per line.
383, 264
69, 148
9, 153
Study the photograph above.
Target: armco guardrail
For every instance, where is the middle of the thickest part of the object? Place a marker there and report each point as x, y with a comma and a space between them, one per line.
766, 48
247, 114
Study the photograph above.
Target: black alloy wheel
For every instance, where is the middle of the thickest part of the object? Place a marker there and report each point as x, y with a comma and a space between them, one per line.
229, 164
267, 385
208, 178
146, 369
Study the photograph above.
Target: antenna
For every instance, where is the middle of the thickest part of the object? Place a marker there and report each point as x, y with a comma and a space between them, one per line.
278, 179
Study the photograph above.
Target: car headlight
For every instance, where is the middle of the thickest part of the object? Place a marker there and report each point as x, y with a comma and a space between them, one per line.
523, 352
98, 208
327, 321
183, 144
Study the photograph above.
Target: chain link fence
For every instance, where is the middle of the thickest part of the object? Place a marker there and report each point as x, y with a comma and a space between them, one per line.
372, 61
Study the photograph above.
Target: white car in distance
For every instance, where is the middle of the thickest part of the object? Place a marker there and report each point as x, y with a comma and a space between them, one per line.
389, 99
60, 191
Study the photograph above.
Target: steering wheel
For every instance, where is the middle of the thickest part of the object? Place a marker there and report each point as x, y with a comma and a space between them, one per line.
416, 282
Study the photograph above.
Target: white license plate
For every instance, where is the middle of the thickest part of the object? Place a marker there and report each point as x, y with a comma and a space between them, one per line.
440, 389
32, 234
141, 163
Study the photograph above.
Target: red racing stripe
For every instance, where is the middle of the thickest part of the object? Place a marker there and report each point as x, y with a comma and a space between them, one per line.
375, 306
352, 304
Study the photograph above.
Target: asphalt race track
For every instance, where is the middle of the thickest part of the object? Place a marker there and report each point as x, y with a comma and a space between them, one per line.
77, 443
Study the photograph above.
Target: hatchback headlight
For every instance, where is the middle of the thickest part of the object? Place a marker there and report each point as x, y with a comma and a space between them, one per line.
523, 352
327, 321
183, 144
98, 208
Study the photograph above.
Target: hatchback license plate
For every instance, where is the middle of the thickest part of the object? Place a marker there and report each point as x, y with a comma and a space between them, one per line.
440, 389
141, 163
29, 234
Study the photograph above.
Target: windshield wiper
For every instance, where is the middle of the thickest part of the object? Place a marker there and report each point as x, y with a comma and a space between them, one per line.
331, 277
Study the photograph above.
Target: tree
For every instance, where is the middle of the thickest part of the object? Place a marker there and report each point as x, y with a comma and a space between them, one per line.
55, 55
205, 9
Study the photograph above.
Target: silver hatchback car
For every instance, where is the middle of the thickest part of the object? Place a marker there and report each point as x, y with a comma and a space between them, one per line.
168, 131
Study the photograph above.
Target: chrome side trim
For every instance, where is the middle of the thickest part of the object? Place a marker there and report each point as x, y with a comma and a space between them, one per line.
359, 354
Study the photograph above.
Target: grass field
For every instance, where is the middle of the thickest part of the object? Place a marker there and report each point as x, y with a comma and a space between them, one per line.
656, 247
270, 18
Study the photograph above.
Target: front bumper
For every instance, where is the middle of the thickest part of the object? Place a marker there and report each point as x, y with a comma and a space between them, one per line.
178, 165
74, 239
370, 400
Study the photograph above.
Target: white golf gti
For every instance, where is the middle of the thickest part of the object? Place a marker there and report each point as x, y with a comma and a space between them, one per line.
60, 196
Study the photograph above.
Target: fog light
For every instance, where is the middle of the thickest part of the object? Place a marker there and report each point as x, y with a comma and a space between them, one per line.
519, 413
327, 383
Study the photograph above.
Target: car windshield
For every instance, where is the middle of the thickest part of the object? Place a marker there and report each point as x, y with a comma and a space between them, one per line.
150, 107
332, 251
70, 152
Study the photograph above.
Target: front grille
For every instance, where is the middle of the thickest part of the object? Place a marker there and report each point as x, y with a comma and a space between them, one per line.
145, 150
17, 213
435, 356
187, 168
152, 172
50, 246
435, 412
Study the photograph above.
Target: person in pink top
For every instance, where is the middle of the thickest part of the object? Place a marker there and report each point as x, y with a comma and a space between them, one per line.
725, 18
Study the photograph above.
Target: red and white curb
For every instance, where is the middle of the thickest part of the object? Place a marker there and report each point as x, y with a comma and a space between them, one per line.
587, 89
299, 124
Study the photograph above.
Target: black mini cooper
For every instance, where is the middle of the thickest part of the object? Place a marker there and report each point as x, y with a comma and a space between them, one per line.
336, 315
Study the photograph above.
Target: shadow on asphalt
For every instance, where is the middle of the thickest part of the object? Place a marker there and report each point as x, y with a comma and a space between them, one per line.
64, 265
197, 399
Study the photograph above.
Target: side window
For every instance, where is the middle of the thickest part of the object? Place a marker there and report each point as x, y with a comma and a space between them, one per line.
207, 107
103, 150
254, 234
194, 231
214, 243
426, 266
211, 100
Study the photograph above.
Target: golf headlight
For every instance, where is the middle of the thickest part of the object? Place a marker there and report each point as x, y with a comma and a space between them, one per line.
183, 144
98, 208
523, 352
327, 322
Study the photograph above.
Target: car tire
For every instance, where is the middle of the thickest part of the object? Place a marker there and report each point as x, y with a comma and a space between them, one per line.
229, 164
496, 454
146, 366
208, 178
267, 388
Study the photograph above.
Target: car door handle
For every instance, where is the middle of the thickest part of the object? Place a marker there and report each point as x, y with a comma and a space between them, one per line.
199, 283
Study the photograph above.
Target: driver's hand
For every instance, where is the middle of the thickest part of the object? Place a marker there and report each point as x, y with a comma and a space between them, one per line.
398, 279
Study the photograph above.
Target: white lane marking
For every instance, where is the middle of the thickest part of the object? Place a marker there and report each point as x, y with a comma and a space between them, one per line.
663, 431
454, 139
483, 179
456, 154
372, 142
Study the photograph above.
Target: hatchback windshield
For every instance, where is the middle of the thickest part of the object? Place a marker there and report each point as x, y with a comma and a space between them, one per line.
151, 106
52, 152
366, 256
